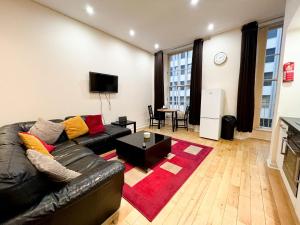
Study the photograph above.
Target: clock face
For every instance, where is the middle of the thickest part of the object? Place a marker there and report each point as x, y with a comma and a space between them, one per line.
220, 58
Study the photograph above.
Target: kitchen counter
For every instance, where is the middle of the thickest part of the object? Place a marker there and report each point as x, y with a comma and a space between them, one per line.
294, 122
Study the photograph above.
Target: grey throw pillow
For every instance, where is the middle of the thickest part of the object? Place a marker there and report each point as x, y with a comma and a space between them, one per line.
50, 166
46, 130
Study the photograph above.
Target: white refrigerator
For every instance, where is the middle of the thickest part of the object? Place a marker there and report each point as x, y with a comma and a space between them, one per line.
212, 107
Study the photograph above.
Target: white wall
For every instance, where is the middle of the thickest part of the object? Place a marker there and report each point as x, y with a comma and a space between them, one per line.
45, 60
288, 103
224, 76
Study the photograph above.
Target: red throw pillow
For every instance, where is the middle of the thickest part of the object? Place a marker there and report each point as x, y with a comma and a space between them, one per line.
49, 148
95, 124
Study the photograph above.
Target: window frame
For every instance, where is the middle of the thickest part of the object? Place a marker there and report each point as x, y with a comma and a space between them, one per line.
174, 101
260, 75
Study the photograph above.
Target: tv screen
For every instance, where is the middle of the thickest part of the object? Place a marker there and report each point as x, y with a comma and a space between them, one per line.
100, 82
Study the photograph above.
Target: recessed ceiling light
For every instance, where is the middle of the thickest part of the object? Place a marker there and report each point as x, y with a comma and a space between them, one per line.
194, 2
131, 33
89, 9
156, 46
210, 26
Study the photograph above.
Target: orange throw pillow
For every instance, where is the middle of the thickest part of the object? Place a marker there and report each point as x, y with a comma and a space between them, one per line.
32, 142
75, 127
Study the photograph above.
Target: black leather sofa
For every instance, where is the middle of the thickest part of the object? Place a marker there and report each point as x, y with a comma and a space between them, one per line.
29, 197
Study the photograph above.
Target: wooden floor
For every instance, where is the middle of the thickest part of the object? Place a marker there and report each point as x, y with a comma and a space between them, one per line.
233, 186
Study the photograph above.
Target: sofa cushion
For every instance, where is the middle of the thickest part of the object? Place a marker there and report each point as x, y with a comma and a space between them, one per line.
75, 127
116, 131
46, 130
88, 139
64, 145
51, 167
19, 179
71, 154
33, 142
95, 124
9, 135
86, 163
78, 158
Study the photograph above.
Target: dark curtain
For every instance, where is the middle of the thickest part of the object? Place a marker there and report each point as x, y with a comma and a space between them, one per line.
158, 82
196, 83
245, 102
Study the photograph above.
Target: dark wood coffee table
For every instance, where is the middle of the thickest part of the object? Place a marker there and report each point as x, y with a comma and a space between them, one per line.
131, 149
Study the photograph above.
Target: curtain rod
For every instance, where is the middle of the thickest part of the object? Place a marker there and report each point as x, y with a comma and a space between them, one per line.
261, 24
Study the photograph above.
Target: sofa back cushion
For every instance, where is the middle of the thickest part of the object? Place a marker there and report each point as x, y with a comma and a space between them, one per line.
9, 135
21, 185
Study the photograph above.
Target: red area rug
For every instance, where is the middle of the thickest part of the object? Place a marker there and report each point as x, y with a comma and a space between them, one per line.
154, 189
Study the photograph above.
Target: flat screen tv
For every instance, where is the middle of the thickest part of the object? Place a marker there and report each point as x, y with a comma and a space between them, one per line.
103, 83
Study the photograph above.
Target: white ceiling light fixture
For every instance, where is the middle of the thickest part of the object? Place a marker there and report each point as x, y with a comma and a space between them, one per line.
131, 33
194, 2
156, 46
90, 10
210, 27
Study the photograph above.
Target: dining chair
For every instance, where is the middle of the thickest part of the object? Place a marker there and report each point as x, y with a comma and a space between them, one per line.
183, 120
153, 117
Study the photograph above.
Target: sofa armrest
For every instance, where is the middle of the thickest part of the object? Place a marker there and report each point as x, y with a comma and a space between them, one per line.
85, 193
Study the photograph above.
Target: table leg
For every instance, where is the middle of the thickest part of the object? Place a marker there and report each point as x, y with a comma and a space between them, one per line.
134, 127
176, 122
173, 121
159, 120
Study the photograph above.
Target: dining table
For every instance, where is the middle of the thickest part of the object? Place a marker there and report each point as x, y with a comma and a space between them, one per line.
167, 110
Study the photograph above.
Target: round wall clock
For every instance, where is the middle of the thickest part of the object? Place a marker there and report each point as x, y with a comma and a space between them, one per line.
220, 58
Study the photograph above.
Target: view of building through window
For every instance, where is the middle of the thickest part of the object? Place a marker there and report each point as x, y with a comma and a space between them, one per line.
180, 79
270, 76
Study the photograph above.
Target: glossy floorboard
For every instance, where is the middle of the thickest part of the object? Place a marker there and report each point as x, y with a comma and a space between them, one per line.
233, 186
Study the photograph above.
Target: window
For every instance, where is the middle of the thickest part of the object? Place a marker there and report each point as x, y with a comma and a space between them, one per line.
180, 65
270, 51
272, 33
265, 101
268, 78
182, 69
266, 122
270, 73
270, 55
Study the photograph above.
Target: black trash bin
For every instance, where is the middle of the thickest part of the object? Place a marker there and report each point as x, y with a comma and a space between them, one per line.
228, 125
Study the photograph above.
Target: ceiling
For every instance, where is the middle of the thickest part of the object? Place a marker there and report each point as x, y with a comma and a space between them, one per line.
295, 23
171, 23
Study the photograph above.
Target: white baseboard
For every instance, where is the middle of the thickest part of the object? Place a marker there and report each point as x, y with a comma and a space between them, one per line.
271, 164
